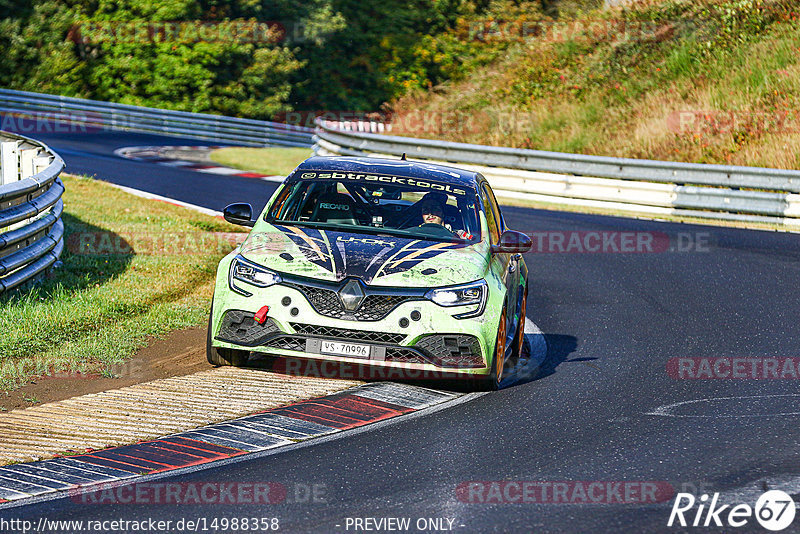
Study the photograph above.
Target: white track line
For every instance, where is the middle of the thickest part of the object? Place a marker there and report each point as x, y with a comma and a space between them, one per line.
151, 196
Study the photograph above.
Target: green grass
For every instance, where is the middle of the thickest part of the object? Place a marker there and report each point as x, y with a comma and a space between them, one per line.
99, 308
271, 161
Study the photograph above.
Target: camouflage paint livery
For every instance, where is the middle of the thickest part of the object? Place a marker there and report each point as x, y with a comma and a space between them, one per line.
377, 262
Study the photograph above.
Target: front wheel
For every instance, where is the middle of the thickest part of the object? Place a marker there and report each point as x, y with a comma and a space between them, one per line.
493, 379
218, 356
519, 340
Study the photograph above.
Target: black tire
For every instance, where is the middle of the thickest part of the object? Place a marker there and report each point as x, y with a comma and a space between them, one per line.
218, 356
519, 339
492, 381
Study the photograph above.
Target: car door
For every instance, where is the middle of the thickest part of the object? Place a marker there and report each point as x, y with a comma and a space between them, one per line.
504, 264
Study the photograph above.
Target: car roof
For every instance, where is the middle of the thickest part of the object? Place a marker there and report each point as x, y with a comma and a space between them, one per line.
393, 167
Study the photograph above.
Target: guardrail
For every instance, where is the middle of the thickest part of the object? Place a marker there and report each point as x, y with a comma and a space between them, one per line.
108, 116
749, 194
31, 229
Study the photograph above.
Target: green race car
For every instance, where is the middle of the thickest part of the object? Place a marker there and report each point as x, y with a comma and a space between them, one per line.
395, 265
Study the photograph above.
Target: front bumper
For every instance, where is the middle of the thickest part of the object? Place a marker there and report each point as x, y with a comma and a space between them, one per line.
441, 350
411, 333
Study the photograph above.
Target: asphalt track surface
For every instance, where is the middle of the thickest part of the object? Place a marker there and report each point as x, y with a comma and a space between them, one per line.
92, 154
612, 322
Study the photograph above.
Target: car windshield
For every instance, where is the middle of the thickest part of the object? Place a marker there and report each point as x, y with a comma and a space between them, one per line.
421, 209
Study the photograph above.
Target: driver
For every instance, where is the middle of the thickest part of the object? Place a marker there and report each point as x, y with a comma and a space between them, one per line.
432, 208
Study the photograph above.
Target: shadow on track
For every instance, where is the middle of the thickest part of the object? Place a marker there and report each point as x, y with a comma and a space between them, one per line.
543, 354
559, 347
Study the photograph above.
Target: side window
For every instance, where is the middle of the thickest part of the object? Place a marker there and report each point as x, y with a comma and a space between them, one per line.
501, 224
491, 215
279, 207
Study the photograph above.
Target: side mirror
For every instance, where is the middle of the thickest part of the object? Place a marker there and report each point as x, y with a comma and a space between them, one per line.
239, 213
513, 243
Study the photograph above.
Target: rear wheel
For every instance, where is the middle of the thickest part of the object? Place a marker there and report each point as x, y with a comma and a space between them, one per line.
218, 356
492, 381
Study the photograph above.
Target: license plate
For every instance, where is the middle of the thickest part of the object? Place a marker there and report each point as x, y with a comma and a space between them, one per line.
337, 348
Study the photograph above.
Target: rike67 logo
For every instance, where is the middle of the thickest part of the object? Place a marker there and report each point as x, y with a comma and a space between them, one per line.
774, 511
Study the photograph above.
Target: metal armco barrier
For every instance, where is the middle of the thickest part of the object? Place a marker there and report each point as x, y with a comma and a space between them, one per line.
19, 106
31, 230
748, 194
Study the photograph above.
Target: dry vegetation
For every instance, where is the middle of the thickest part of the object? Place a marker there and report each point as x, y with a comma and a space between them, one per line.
712, 82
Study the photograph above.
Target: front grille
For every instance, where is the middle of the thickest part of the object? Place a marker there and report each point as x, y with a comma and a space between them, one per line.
287, 343
453, 350
351, 335
399, 355
374, 307
324, 301
240, 327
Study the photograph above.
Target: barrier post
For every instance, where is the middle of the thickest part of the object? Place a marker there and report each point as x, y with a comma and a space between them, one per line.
9, 162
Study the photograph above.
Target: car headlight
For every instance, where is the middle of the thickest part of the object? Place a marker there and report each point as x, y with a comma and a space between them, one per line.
250, 273
463, 295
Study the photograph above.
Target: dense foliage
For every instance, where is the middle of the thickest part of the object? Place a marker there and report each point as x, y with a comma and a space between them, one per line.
187, 55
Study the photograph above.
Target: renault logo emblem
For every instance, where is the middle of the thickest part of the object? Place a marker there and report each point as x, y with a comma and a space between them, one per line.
352, 295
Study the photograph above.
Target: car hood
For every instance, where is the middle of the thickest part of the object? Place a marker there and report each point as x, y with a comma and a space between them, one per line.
377, 260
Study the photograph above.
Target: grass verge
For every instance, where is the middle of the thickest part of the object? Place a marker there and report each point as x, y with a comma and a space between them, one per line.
132, 268
271, 161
